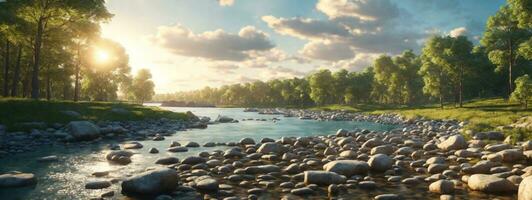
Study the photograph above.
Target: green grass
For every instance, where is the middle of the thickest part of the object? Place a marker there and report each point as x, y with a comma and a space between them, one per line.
482, 115
14, 112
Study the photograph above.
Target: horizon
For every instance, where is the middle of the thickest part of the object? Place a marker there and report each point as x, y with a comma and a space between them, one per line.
243, 41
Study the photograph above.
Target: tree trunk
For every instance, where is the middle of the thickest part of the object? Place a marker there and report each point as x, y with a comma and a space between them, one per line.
510, 63
36, 60
48, 84
16, 76
461, 86
76, 83
6, 70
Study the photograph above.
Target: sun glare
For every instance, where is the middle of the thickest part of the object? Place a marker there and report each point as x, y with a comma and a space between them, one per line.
101, 56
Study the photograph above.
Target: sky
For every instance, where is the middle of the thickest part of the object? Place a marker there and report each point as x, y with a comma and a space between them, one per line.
191, 44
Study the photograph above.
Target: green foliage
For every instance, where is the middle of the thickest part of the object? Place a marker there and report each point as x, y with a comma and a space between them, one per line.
142, 87
24, 110
322, 87
523, 90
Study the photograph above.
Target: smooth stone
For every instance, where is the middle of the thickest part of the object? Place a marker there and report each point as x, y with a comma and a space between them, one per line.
154, 150
323, 178
152, 182
455, 142
302, 191
490, 184
271, 147
83, 130
167, 161
347, 168
388, 197
380, 162
525, 189
442, 187
93, 185
17, 179
177, 149
206, 183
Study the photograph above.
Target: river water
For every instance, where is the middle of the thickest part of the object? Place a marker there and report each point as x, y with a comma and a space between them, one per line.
66, 179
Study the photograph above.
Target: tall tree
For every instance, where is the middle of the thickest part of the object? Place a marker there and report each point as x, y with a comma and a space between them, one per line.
321, 87
502, 39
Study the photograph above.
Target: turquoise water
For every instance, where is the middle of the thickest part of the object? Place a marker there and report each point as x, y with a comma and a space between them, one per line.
66, 179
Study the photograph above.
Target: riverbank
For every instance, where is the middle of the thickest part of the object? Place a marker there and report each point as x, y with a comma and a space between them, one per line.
479, 115
25, 114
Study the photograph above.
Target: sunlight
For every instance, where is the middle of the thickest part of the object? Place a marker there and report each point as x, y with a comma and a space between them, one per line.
101, 56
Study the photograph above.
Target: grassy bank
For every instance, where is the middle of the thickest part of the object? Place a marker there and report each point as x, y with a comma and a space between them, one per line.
14, 112
482, 115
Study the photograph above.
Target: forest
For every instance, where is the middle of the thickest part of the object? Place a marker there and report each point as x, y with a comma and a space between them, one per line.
448, 70
53, 49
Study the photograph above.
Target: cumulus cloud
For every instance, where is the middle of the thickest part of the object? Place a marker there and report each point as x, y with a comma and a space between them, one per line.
277, 72
358, 63
226, 2
330, 51
460, 31
368, 10
213, 45
305, 28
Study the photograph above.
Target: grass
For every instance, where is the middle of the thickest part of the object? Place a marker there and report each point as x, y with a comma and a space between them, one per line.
15, 112
481, 114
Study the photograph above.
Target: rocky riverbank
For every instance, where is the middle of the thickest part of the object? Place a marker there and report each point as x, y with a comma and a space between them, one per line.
424, 159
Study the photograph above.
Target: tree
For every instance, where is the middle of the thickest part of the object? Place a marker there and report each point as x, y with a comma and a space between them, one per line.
55, 15
458, 61
502, 39
321, 87
143, 87
523, 90
435, 77
341, 81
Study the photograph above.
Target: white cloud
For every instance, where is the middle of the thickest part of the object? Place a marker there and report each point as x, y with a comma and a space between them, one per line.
226, 2
367, 10
213, 45
358, 63
331, 51
460, 31
305, 28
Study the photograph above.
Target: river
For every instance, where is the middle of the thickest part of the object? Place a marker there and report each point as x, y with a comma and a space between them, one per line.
66, 179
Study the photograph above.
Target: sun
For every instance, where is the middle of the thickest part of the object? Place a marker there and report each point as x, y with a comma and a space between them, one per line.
101, 56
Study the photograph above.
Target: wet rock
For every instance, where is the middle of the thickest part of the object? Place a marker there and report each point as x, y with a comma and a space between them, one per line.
133, 145
93, 185
436, 168
233, 153
224, 119
175, 144
122, 157
17, 179
350, 154
271, 147
292, 169
442, 187
83, 130
177, 149
167, 161
380, 162
455, 142
151, 183
154, 150
193, 160
490, 184
383, 149
100, 174
206, 183
323, 178
302, 191
247, 141
347, 168
209, 144
367, 185
191, 144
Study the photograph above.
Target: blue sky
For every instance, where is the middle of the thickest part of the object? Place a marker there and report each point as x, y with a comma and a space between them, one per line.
190, 44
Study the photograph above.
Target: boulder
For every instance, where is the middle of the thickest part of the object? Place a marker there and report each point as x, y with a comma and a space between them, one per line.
17, 179
233, 152
323, 178
525, 189
442, 187
490, 184
271, 147
455, 142
511, 155
191, 144
177, 149
83, 130
152, 182
347, 168
224, 119
133, 145
380, 162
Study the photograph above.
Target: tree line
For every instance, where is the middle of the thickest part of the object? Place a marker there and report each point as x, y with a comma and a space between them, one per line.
52, 49
448, 70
